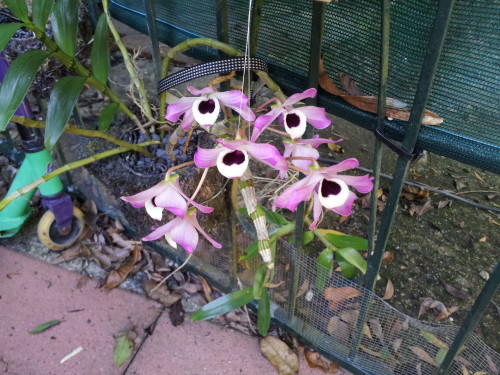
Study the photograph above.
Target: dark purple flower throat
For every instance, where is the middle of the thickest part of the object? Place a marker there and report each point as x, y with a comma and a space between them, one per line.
292, 120
235, 157
206, 106
330, 188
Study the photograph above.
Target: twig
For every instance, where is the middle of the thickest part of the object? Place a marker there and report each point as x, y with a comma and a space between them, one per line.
171, 274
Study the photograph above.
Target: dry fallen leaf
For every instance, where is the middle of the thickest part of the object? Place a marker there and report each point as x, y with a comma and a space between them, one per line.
161, 294
376, 328
303, 288
72, 253
453, 291
387, 257
422, 354
316, 360
207, 290
339, 330
389, 291
280, 355
338, 296
116, 277
483, 239
349, 85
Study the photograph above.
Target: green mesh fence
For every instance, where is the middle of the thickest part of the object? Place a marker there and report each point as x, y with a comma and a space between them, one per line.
465, 92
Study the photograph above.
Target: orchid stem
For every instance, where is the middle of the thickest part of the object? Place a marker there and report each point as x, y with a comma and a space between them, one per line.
202, 179
65, 168
178, 167
291, 166
261, 107
278, 132
172, 273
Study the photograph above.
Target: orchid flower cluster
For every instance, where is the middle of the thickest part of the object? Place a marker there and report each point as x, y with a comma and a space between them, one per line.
327, 187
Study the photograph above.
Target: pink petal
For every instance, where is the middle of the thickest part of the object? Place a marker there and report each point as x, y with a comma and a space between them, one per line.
267, 154
161, 231
139, 199
304, 151
170, 199
193, 90
187, 120
264, 121
317, 211
175, 110
194, 221
346, 208
345, 165
315, 141
237, 101
205, 158
363, 184
185, 235
315, 116
204, 209
309, 93
296, 193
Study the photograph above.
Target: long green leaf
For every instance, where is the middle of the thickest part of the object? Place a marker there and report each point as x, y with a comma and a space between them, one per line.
62, 101
258, 281
251, 251
347, 269
274, 218
65, 24
107, 115
264, 313
100, 50
342, 240
323, 268
223, 304
7, 30
45, 326
17, 82
354, 257
19, 8
41, 12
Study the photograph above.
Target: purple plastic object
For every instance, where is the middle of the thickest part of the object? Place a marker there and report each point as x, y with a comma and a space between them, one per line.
24, 109
62, 208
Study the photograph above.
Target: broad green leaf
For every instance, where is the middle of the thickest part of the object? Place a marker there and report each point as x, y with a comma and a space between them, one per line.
123, 350
100, 50
343, 240
62, 101
264, 313
354, 257
274, 218
223, 304
251, 251
7, 30
440, 355
243, 211
45, 326
17, 81
307, 237
347, 269
19, 8
323, 268
107, 116
258, 281
41, 12
65, 24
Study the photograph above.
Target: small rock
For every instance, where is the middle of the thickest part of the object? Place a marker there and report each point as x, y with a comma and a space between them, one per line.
484, 275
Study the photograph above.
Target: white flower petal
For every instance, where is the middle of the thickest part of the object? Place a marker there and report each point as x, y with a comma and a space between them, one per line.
152, 210
170, 241
206, 110
232, 163
295, 123
333, 193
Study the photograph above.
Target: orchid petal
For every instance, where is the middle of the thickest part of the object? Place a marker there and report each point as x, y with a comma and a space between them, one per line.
194, 221
205, 158
267, 154
315, 116
175, 110
193, 90
232, 164
237, 101
345, 165
315, 141
153, 211
187, 120
309, 93
171, 200
346, 208
139, 200
161, 231
363, 184
200, 207
304, 151
290, 122
171, 242
317, 211
300, 191
206, 110
185, 234
333, 193
264, 121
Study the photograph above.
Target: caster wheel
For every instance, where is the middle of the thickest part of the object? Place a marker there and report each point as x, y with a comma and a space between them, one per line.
50, 236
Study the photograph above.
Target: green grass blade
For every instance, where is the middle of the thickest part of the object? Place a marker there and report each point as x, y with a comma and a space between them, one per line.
45, 326
223, 304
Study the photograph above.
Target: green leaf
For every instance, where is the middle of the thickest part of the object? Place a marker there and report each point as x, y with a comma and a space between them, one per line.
7, 30
258, 281
123, 350
274, 218
354, 257
107, 116
342, 240
65, 24
323, 268
251, 251
41, 12
347, 269
264, 313
45, 326
17, 82
223, 304
100, 50
440, 355
62, 101
307, 237
243, 211
19, 8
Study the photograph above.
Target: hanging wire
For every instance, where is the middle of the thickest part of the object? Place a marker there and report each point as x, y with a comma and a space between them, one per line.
246, 71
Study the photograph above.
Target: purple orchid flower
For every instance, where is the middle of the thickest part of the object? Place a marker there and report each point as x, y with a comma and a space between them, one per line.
231, 157
205, 109
165, 195
328, 188
294, 119
304, 148
182, 231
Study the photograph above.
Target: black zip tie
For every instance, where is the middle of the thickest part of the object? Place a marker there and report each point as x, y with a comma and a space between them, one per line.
212, 67
398, 150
